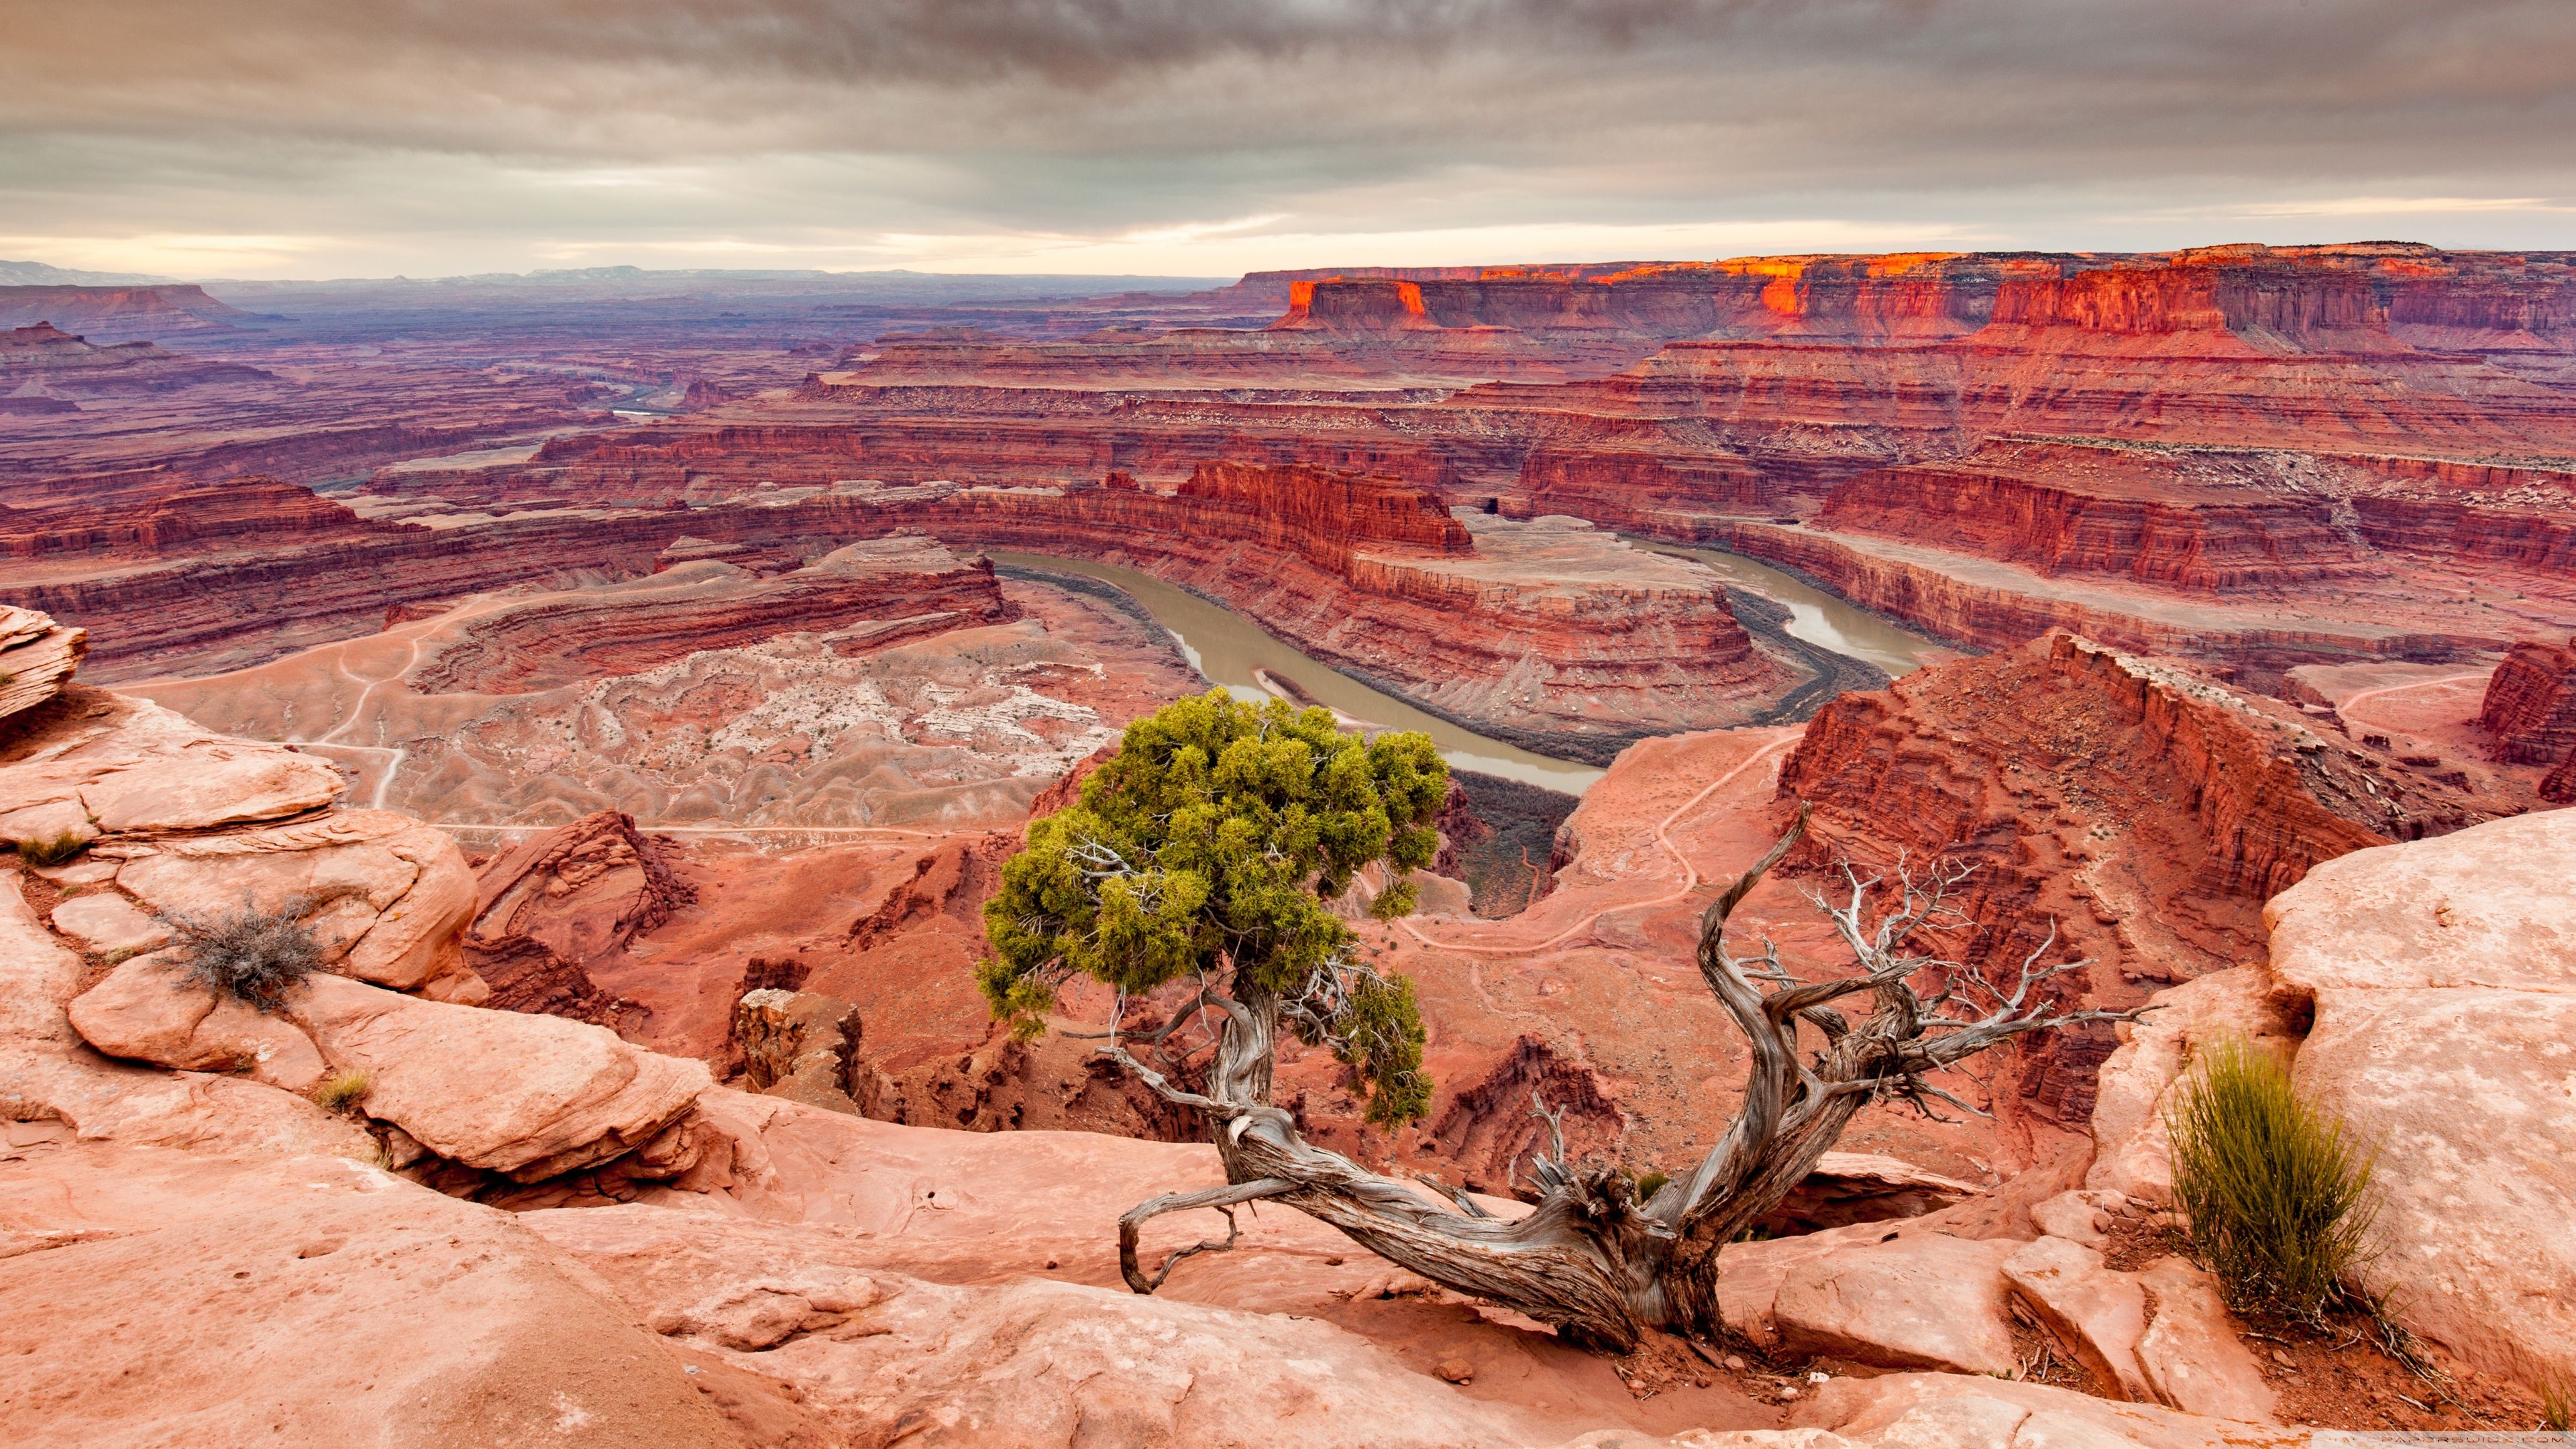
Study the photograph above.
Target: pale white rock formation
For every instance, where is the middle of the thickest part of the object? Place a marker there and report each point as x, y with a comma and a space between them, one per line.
2443, 976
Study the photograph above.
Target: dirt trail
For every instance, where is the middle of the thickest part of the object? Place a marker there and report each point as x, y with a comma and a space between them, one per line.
1690, 872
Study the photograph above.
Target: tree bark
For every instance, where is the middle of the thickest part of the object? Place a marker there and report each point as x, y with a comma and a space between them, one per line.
1589, 1259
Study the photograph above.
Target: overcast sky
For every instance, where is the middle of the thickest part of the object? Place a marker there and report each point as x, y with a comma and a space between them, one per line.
307, 138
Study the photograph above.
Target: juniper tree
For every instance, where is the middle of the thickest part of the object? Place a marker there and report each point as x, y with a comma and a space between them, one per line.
1200, 864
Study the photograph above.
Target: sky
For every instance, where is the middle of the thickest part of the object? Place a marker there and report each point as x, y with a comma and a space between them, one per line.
329, 138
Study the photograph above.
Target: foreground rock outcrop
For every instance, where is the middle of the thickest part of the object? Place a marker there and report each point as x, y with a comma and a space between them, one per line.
2442, 980
37, 656
2424, 989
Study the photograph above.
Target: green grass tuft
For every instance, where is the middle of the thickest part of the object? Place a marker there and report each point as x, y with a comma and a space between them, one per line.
51, 852
2557, 1403
2275, 1191
341, 1090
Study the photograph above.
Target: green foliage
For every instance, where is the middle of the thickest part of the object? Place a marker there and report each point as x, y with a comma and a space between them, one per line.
1375, 1025
2278, 1197
340, 1090
255, 955
1652, 1182
53, 851
1209, 844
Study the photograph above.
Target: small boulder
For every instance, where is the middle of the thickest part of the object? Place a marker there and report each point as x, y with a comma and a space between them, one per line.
527, 1096
148, 1010
1922, 1301
2191, 1355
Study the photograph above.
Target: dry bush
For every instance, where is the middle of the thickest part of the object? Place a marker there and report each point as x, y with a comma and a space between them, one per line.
255, 955
2275, 1191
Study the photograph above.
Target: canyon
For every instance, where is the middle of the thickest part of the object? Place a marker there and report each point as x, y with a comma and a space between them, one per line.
646, 679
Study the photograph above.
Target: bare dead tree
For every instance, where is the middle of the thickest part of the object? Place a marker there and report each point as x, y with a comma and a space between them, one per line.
1590, 1258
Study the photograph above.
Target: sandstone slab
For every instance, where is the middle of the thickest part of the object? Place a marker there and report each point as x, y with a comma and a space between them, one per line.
212, 784
104, 922
2191, 1354
2442, 976
1750, 1275
2470, 1096
879, 1355
1949, 1411
133, 767
2097, 1313
529, 1096
45, 824
1922, 1301
2488, 906
311, 1301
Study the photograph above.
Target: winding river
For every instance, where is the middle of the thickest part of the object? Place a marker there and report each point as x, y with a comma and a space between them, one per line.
1232, 651
1227, 648
1822, 619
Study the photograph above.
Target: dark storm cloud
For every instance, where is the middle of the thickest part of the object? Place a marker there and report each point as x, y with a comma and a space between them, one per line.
955, 115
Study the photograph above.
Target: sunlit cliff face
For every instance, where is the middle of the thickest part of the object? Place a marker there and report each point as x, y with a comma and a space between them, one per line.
1207, 137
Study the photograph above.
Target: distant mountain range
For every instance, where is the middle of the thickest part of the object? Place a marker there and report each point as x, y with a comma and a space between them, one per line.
37, 274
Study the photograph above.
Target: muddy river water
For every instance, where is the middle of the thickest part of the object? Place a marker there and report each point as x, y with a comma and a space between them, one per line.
1232, 651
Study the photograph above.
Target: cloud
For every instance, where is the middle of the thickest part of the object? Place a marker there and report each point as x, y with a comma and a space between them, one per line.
475, 129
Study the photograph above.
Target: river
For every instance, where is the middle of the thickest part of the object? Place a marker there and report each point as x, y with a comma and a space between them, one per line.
1820, 618
1228, 648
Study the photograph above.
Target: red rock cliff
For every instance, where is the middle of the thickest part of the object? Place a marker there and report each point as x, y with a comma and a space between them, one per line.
2145, 808
2199, 523
2531, 704
1325, 515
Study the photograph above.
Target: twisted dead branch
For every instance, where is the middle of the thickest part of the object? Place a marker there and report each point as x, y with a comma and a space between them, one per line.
1589, 1257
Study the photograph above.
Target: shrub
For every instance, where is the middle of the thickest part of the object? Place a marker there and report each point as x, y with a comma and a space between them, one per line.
340, 1090
256, 955
52, 852
2276, 1192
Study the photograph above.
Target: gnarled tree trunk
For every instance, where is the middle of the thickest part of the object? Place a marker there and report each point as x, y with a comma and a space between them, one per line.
1591, 1259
